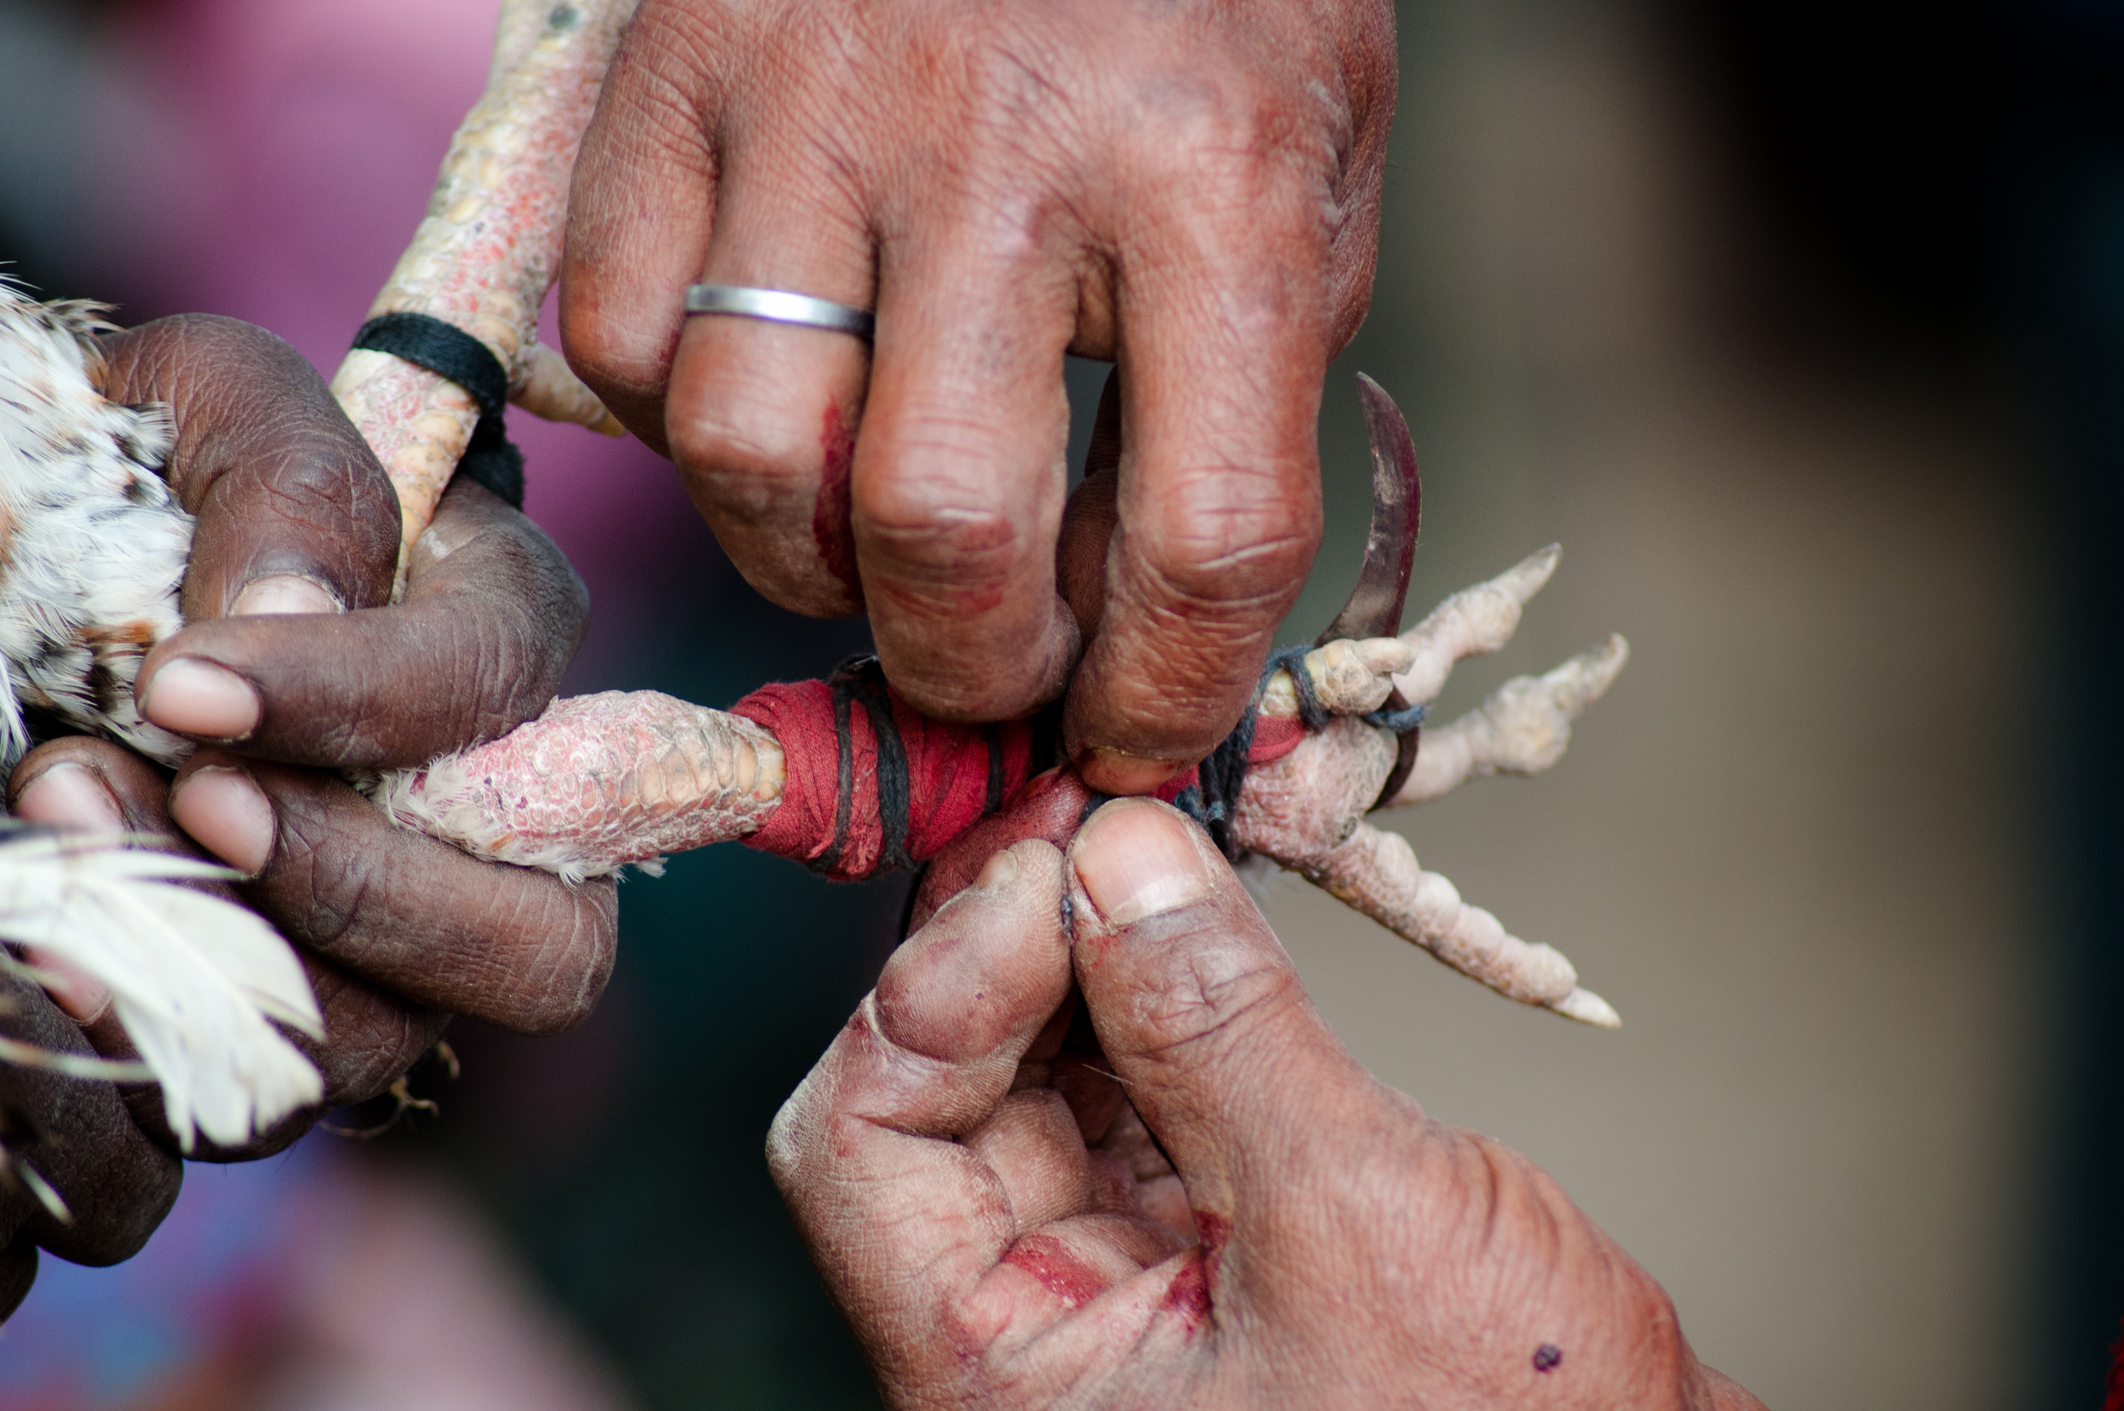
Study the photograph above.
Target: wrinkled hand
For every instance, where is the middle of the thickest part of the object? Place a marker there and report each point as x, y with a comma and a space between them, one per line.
293, 658
79, 1138
1191, 190
1195, 1197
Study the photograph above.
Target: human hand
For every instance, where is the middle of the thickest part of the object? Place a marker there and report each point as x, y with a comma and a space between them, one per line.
79, 1142
1189, 1193
1191, 190
295, 517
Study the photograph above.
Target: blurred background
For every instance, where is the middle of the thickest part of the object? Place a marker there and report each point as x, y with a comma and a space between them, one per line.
1800, 326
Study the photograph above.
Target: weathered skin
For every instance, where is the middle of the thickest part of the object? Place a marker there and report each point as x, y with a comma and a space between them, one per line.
1088, 1144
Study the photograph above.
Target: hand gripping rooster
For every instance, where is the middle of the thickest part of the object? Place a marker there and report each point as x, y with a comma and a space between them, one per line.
838, 773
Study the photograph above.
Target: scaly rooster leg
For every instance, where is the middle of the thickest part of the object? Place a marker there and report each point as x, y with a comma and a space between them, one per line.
1375, 872
1522, 728
1306, 812
488, 250
1473, 622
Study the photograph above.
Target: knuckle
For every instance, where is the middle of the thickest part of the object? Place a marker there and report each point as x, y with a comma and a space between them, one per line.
730, 434
937, 538
562, 984
938, 498
1217, 998
613, 358
373, 1047
790, 1138
1229, 124
1242, 539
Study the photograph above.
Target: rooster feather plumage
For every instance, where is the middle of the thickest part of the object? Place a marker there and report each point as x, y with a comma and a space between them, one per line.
92, 552
92, 541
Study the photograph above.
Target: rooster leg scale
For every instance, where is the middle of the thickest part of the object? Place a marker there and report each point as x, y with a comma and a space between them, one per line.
598, 782
1375, 872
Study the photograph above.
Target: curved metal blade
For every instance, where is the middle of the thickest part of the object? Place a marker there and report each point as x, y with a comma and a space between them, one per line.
1374, 607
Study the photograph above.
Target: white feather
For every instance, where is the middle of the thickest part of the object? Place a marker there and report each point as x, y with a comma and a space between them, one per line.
194, 978
92, 552
92, 541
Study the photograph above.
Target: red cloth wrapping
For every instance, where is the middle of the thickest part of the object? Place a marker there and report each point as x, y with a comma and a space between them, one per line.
947, 774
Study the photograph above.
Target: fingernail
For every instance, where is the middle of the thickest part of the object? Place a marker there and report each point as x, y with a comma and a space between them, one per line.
69, 794
229, 816
195, 697
79, 995
1113, 772
1138, 859
1000, 871
284, 593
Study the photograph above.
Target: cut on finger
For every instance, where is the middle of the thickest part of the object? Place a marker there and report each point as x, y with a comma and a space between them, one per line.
762, 416
902, 1218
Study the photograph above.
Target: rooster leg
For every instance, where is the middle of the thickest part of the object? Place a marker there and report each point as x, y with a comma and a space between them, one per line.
1349, 677
1375, 872
595, 783
1521, 729
1473, 622
1306, 813
488, 250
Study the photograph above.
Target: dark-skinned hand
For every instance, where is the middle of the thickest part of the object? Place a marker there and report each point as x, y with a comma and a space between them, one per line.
1189, 189
1089, 1144
295, 664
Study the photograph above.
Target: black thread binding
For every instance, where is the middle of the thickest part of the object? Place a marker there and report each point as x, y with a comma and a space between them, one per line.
449, 351
860, 679
1395, 722
992, 733
1212, 800
895, 800
844, 786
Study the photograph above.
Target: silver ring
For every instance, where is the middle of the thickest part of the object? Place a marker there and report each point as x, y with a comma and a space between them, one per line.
779, 306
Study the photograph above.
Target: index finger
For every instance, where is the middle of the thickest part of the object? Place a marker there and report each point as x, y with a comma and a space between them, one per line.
491, 617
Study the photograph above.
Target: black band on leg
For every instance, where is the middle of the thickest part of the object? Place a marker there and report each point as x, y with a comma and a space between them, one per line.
448, 351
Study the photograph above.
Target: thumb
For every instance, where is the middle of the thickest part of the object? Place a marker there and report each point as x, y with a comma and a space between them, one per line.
1199, 1009
901, 1218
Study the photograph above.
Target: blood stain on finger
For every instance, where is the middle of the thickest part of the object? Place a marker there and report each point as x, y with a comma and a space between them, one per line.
1548, 1357
1215, 1232
1189, 1293
1060, 1272
831, 524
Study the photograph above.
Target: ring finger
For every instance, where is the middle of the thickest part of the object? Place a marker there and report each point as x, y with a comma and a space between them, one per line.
762, 416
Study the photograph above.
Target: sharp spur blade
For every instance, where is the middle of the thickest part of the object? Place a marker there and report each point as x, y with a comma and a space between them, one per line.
1374, 608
